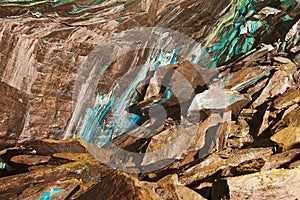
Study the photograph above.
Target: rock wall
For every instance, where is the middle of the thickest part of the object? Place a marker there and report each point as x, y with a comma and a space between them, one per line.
44, 47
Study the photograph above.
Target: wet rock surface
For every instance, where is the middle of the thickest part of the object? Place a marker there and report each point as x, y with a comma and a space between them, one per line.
215, 117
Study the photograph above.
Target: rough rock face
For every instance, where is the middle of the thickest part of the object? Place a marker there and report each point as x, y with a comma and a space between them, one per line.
13, 113
43, 45
177, 99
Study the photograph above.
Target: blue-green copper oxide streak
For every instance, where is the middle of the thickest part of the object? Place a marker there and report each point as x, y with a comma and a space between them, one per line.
90, 130
47, 195
169, 94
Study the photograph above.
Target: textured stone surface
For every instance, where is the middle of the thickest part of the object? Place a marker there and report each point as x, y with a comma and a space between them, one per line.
261, 185
30, 159
13, 106
203, 105
287, 137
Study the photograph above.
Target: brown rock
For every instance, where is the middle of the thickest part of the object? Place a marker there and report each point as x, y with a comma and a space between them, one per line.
181, 143
278, 84
273, 184
246, 167
290, 97
169, 188
60, 179
287, 137
30, 159
183, 79
119, 185
289, 119
59, 190
280, 159
245, 77
214, 163
13, 105
196, 75
295, 164
48, 146
282, 60
89, 171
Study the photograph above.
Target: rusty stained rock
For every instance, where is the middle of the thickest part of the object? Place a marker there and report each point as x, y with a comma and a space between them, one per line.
287, 138
289, 119
49, 146
214, 163
289, 98
30, 159
281, 159
128, 187
76, 175
119, 185
169, 188
40, 57
259, 185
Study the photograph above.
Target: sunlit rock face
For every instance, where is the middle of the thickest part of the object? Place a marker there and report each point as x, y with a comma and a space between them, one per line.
47, 50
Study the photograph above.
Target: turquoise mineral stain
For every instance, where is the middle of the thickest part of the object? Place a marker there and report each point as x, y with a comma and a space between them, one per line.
47, 195
235, 98
99, 118
132, 120
230, 43
156, 65
169, 94
174, 56
78, 9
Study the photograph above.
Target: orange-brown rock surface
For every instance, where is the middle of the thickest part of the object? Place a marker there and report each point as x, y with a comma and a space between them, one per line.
144, 99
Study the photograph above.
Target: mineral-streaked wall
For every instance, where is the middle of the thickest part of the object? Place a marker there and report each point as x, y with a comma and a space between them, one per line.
44, 44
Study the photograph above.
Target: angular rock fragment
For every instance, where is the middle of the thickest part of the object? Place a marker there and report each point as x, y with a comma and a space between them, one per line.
290, 97
217, 98
290, 119
119, 185
239, 134
157, 81
292, 38
246, 77
30, 159
48, 146
182, 143
273, 184
75, 176
281, 159
287, 138
214, 163
169, 188
282, 60
278, 84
